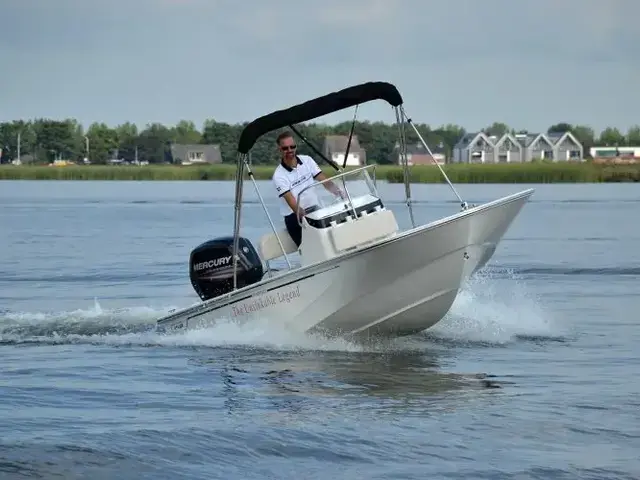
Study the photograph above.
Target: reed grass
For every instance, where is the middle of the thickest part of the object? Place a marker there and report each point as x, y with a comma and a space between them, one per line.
535, 172
538, 172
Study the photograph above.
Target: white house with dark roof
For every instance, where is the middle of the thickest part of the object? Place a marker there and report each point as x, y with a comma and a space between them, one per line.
537, 146
474, 147
194, 154
512, 148
508, 149
335, 148
566, 147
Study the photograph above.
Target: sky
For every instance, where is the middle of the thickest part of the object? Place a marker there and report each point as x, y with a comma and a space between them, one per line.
528, 63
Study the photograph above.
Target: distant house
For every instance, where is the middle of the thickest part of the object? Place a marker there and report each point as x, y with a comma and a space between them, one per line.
335, 148
195, 154
508, 149
474, 147
566, 147
537, 146
602, 153
418, 155
526, 147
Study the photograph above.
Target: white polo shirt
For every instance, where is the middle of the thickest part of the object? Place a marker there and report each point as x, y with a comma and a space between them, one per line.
293, 180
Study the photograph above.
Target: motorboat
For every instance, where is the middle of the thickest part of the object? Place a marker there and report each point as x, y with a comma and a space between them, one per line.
359, 275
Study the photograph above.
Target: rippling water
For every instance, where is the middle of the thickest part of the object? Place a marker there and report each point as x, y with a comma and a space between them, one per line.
533, 374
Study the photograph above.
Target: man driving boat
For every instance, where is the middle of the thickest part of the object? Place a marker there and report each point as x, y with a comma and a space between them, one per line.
295, 173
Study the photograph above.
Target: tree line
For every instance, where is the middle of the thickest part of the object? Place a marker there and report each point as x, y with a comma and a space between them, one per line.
45, 140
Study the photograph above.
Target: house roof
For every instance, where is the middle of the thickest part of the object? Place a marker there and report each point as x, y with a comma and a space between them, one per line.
338, 143
527, 139
468, 137
555, 137
524, 139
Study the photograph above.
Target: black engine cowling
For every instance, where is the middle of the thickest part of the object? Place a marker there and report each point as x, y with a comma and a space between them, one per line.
211, 266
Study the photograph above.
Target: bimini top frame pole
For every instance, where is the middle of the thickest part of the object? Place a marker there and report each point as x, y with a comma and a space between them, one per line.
403, 115
303, 112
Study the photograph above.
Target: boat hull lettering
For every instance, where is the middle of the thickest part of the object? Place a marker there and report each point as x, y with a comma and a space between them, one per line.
266, 301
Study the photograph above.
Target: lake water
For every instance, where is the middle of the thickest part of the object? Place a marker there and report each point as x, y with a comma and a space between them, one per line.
533, 374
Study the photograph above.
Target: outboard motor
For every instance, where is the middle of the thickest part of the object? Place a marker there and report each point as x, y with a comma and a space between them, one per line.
211, 266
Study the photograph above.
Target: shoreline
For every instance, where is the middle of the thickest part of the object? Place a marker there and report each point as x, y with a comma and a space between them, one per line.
537, 172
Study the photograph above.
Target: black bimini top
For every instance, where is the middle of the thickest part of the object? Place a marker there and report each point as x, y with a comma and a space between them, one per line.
318, 107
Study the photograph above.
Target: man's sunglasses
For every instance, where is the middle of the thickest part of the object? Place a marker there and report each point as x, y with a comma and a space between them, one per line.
288, 147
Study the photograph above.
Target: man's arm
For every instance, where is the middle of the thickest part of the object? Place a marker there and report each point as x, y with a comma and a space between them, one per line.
284, 191
291, 201
318, 174
329, 185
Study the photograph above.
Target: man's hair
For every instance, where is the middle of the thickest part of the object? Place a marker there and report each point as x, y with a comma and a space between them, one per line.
282, 136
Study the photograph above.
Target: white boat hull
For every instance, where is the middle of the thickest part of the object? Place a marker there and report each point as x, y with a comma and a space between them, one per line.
399, 286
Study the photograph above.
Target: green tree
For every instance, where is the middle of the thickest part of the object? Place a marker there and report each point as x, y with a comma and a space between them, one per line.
14, 136
127, 135
185, 132
497, 128
585, 136
57, 139
103, 142
153, 143
633, 136
48, 139
223, 134
561, 127
611, 137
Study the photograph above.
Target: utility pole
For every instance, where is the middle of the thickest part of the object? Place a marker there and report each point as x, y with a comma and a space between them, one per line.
86, 143
19, 140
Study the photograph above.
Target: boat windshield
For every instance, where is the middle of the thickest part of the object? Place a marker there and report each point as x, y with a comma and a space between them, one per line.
340, 196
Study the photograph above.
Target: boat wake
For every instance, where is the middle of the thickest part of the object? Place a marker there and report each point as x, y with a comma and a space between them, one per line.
496, 307
486, 311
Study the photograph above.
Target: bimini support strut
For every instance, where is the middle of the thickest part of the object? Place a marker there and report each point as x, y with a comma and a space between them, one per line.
266, 212
241, 162
463, 204
405, 163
